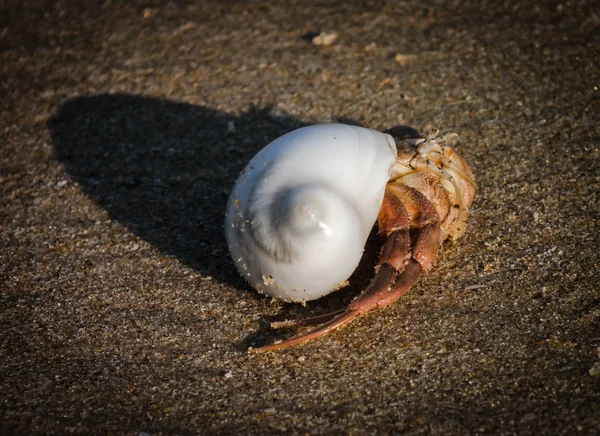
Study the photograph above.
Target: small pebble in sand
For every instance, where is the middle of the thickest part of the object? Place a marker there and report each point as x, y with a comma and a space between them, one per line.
404, 59
324, 38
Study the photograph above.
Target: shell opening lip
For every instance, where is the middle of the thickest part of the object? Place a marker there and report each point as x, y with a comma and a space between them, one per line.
403, 133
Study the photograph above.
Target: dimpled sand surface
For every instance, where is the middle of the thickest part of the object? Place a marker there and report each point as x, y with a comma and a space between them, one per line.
123, 129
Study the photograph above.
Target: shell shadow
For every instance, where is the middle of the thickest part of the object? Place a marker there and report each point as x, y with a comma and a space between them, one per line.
164, 169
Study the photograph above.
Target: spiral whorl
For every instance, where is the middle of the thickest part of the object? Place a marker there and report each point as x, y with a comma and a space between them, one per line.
301, 211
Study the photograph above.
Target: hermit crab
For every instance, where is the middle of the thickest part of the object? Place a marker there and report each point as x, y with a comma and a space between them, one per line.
301, 211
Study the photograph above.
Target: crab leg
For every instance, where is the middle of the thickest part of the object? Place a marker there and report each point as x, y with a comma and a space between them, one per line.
316, 320
333, 324
424, 251
397, 272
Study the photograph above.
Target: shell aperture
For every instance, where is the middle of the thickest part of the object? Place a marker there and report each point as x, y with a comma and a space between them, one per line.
300, 213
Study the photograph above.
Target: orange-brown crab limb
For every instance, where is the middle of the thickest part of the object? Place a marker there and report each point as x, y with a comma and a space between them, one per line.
401, 262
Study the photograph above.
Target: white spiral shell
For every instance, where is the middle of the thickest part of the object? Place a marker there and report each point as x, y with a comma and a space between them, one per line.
300, 213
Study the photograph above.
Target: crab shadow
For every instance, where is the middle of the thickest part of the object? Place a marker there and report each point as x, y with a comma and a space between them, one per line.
164, 169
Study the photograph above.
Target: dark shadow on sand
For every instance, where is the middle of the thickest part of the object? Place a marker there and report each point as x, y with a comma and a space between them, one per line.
163, 169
